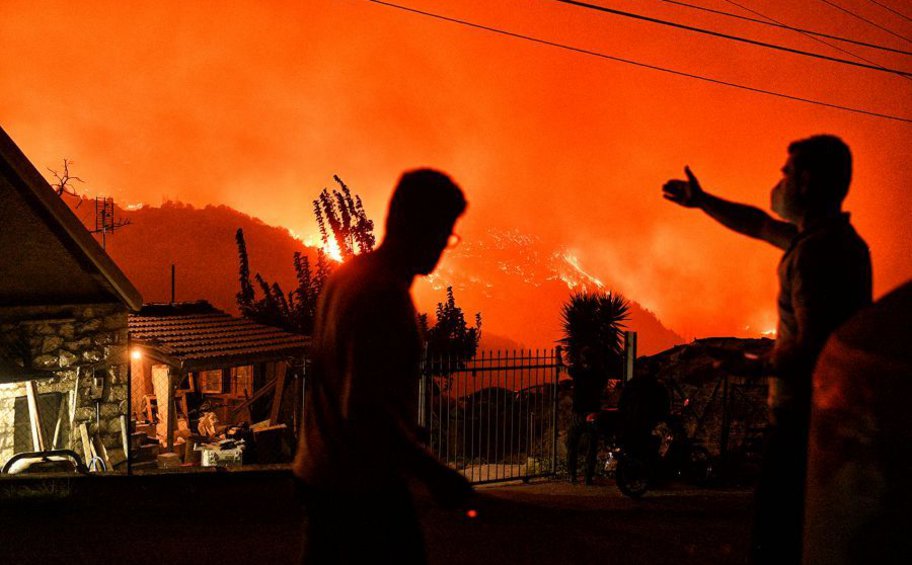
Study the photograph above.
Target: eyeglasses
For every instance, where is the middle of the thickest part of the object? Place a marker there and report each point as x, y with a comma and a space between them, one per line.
453, 240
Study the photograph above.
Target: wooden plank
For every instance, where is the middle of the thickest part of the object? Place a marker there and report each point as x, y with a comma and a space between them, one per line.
280, 369
125, 435
172, 411
100, 450
161, 385
31, 391
264, 390
88, 450
61, 418
151, 414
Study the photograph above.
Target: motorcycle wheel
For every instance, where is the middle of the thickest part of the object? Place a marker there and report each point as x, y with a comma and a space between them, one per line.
699, 466
632, 477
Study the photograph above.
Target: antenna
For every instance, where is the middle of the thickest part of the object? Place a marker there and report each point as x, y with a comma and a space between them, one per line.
104, 219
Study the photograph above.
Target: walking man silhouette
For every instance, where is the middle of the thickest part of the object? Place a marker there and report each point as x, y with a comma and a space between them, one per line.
824, 277
358, 436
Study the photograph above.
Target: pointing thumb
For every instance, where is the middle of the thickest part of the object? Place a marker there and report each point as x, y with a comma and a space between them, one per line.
690, 175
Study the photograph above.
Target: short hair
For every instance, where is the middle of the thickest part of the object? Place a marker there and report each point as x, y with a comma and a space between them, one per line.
424, 200
829, 161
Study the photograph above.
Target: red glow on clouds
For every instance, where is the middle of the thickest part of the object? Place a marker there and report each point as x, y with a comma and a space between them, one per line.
257, 108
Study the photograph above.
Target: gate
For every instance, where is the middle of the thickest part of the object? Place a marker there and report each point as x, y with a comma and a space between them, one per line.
494, 417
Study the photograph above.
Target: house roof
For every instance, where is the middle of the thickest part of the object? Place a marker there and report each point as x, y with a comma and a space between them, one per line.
197, 336
46, 255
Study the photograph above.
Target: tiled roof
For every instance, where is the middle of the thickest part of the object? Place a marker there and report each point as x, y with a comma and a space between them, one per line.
196, 335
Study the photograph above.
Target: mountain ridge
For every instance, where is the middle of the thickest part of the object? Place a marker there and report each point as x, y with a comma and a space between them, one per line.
515, 280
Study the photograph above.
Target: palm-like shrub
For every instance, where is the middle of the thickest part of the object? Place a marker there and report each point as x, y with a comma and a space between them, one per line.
595, 321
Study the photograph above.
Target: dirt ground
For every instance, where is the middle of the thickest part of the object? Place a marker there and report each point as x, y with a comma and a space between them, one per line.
256, 518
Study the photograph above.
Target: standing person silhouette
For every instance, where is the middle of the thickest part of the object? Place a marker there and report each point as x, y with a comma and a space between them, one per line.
589, 380
824, 277
358, 436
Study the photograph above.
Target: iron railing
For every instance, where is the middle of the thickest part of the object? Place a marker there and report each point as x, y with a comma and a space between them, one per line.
494, 417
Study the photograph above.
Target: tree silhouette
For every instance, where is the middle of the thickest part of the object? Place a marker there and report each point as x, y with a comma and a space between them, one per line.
64, 181
342, 219
595, 320
340, 216
295, 311
450, 341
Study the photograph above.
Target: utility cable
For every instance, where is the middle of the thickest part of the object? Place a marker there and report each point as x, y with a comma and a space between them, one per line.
897, 12
640, 64
732, 37
788, 27
864, 19
817, 39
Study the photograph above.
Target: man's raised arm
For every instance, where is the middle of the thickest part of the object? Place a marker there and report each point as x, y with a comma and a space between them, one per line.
748, 220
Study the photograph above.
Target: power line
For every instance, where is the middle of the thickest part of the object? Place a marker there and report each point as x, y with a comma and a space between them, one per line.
784, 26
864, 19
817, 39
897, 12
732, 37
638, 63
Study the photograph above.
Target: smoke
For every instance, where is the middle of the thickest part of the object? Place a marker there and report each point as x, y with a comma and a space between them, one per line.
257, 109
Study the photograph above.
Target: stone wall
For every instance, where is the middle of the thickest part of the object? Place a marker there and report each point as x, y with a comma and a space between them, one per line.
80, 347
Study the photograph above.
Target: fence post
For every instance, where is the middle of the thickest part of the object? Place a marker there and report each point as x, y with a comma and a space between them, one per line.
554, 408
630, 354
422, 390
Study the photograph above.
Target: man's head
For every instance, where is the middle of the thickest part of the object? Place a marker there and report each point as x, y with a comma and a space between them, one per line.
422, 212
815, 178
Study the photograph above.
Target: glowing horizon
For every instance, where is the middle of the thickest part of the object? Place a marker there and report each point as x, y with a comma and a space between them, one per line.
257, 108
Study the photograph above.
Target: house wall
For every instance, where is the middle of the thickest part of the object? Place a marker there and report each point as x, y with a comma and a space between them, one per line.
70, 342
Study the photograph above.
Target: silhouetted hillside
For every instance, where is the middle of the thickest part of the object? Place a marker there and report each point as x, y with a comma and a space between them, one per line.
200, 242
517, 282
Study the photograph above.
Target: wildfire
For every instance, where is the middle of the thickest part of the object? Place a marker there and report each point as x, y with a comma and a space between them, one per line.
573, 261
331, 249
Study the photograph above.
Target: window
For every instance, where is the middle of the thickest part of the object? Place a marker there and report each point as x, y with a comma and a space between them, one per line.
210, 382
242, 380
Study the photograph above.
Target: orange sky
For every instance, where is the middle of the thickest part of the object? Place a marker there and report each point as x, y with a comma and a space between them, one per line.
257, 108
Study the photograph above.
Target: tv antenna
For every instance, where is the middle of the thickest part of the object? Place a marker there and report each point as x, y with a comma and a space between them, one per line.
104, 219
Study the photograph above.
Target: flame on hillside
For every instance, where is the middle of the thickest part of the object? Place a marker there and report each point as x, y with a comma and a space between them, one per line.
577, 277
331, 249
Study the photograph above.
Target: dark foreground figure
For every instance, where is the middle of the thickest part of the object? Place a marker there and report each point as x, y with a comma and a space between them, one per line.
858, 490
824, 277
358, 439
589, 379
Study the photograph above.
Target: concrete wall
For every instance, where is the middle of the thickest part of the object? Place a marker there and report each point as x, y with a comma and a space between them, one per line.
73, 344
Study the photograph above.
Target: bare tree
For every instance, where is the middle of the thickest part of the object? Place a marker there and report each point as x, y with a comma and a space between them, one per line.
63, 185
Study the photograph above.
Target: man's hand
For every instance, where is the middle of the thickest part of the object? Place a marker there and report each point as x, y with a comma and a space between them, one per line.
450, 489
687, 193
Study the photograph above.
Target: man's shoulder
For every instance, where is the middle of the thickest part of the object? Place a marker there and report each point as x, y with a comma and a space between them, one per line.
837, 241
364, 279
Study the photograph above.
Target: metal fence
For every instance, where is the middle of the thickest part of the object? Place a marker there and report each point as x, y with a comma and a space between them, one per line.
494, 417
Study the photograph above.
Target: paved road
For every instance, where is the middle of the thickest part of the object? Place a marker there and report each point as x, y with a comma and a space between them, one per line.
255, 519
562, 523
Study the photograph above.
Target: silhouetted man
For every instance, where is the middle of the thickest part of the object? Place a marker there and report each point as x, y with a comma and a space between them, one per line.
358, 440
589, 380
644, 403
824, 277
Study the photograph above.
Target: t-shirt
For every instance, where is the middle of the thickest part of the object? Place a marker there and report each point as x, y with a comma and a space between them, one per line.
360, 410
588, 385
824, 278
